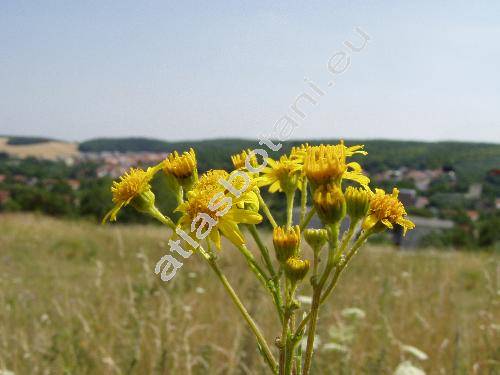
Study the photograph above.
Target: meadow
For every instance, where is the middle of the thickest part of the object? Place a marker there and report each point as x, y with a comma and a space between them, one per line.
79, 298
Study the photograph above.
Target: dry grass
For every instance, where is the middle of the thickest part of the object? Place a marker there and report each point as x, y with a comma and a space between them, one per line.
82, 299
46, 150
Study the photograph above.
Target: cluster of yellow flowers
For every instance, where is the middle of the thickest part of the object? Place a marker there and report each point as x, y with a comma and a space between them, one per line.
219, 203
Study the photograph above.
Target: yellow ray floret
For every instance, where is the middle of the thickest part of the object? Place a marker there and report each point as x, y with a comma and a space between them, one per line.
129, 186
327, 163
281, 175
387, 210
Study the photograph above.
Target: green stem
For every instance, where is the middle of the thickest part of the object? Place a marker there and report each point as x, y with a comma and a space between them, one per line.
359, 242
290, 195
162, 218
347, 237
307, 219
289, 316
333, 241
275, 277
315, 263
286, 355
254, 266
180, 195
283, 350
312, 329
335, 278
236, 300
303, 200
265, 209
263, 249
284, 332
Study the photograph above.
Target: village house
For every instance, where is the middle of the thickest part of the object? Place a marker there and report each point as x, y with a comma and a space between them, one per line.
475, 191
473, 215
4, 196
73, 183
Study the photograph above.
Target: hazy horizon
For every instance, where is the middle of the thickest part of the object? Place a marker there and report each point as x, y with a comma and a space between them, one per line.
190, 71
221, 138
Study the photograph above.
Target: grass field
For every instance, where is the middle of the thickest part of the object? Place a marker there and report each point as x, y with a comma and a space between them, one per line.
45, 150
77, 298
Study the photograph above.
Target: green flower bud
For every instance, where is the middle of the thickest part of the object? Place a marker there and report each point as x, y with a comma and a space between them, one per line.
144, 202
296, 269
286, 242
329, 203
357, 201
316, 238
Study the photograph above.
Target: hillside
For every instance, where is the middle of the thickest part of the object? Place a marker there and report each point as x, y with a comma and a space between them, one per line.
21, 147
471, 161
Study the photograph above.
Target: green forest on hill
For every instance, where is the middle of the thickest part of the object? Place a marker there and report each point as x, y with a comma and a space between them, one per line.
470, 160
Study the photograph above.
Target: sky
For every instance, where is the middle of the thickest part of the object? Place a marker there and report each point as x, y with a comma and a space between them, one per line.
183, 70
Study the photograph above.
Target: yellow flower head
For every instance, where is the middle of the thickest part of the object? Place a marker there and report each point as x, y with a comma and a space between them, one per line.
283, 175
329, 203
131, 185
299, 152
181, 166
327, 164
226, 211
239, 160
286, 242
210, 180
385, 211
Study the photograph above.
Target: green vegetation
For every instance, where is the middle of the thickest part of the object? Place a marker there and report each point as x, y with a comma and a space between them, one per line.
26, 140
80, 298
471, 161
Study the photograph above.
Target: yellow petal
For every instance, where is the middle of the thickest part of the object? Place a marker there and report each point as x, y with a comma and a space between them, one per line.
215, 237
272, 162
275, 186
238, 215
231, 232
369, 222
387, 223
357, 177
111, 215
356, 167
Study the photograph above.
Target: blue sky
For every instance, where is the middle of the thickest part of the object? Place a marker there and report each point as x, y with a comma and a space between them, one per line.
195, 70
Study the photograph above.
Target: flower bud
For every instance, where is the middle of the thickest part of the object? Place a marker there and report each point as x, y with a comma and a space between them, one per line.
329, 203
357, 201
296, 269
144, 202
316, 238
286, 242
